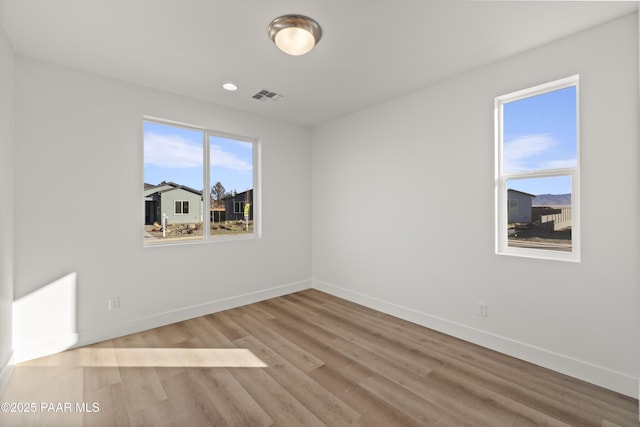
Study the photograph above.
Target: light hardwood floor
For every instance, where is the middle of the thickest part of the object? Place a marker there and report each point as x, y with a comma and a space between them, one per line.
306, 359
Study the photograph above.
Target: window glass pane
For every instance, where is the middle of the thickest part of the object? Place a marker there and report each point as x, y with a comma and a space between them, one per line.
231, 174
539, 132
176, 169
173, 178
542, 218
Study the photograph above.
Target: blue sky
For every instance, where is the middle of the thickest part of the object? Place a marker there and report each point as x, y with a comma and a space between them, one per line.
176, 154
537, 186
540, 133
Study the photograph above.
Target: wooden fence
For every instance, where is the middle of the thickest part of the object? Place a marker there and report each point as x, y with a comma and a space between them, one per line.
560, 216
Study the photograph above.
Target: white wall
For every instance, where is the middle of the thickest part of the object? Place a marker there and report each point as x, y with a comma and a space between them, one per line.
6, 213
389, 226
78, 172
403, 209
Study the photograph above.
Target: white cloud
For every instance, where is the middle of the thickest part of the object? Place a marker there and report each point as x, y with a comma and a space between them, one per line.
228, 160
171, 151
526, 152
560, 164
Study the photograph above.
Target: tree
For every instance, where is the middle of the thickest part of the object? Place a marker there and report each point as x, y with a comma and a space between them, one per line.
218, 191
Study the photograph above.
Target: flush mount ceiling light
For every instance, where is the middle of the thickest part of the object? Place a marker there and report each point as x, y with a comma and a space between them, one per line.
295, 34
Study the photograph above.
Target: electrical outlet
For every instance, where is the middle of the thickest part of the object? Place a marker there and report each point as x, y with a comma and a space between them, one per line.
482, 309
114, 303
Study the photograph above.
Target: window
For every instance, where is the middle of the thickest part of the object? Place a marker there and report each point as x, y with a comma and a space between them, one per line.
513, 207
182, 207
194, 182
537, 172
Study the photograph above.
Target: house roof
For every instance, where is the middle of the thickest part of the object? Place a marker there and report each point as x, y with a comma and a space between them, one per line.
522, 192
162, 188
240, 194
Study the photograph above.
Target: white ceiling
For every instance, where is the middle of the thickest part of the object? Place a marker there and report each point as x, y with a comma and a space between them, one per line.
371, 50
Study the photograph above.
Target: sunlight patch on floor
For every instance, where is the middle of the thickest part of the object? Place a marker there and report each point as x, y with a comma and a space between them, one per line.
155, 357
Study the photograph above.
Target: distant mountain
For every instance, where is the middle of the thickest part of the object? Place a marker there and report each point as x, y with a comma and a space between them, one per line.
552, 200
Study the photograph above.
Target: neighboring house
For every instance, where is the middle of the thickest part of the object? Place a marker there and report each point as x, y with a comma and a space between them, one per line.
181, 204
519, 206
234, 206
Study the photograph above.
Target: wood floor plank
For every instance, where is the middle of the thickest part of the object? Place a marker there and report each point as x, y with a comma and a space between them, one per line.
27, 385
209, 336
567, 390
277, 402
512, 369
255, 310
300, 319
232, 401
315, 341
316, 360
486, 406
106, 407
300, 358
563, 410
174, 334
417, 385
322, 403
606, 423
184, 403
410, 358
222, 321
422, 411
374, 411
100, 367
142, 387
376, 363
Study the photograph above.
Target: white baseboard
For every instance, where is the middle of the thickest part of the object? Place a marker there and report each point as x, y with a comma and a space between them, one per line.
35, 349
185, 313
5, 372
599, 375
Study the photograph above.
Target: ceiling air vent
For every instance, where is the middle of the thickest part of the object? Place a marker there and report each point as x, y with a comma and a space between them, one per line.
266, 95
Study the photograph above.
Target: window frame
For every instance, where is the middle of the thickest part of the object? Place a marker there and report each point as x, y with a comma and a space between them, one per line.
182, 204
501, 178
206, 158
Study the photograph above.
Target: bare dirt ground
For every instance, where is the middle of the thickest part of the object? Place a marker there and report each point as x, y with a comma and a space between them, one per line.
176, 231
539, 237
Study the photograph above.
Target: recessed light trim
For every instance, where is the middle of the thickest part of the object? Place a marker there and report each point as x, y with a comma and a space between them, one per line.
231, 87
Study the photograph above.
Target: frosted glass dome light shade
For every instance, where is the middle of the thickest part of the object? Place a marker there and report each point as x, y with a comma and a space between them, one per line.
294, 41
295, 34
